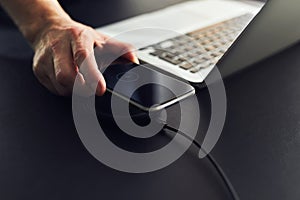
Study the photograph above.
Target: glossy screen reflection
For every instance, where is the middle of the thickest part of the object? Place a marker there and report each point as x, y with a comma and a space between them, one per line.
148, 95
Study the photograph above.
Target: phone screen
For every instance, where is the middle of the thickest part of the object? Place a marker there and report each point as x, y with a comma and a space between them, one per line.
145, 87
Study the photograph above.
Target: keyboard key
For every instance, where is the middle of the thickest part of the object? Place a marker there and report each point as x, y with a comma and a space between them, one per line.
166, 44
199, 61
222, 51
170, 58
201, 66
157, 52
191, 55
186, 65
209, 48
201, 48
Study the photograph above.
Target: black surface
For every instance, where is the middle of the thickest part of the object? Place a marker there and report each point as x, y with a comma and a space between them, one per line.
41, 156
260, 142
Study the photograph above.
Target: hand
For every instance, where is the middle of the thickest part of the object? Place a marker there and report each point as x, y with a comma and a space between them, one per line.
61, 47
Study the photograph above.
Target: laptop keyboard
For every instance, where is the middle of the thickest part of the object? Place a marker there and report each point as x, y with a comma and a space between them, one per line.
201, 48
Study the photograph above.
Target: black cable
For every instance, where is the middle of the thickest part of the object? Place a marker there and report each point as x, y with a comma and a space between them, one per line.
219, 169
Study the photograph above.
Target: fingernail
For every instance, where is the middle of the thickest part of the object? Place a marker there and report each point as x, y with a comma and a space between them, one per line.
136, 60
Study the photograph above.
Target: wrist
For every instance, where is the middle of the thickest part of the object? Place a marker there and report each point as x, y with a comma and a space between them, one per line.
32, 16
34, 29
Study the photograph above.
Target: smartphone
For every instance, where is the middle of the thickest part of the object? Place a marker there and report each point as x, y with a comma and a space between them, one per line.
145, 87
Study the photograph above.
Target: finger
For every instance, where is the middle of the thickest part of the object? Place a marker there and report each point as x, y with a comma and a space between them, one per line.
46, 82
39, 70
82, 88
64, 69
83, 54
121, 49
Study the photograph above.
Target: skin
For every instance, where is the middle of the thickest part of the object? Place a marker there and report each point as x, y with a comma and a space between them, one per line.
62, 44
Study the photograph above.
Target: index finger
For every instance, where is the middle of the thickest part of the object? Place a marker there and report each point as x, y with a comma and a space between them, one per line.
83, 53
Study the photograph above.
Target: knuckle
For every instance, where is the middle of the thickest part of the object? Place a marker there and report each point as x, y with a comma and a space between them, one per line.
76, 32
73, 31
62, 78
41, 57
80, 55
37, 67
36, 70
41, 61
55, 44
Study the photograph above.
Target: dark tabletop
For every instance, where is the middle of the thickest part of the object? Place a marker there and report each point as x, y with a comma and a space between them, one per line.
42, 157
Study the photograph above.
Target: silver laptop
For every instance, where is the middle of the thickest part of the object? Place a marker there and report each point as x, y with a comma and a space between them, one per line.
189, 39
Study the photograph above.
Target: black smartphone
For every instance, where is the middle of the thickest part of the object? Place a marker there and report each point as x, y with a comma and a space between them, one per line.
145, 87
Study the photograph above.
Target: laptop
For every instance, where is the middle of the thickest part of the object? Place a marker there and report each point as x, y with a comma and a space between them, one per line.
189, 39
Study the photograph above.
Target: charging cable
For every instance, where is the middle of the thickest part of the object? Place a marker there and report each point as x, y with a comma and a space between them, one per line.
211, 159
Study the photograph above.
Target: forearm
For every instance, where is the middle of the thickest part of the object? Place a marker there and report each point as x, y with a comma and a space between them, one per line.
32, 15
62, 44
